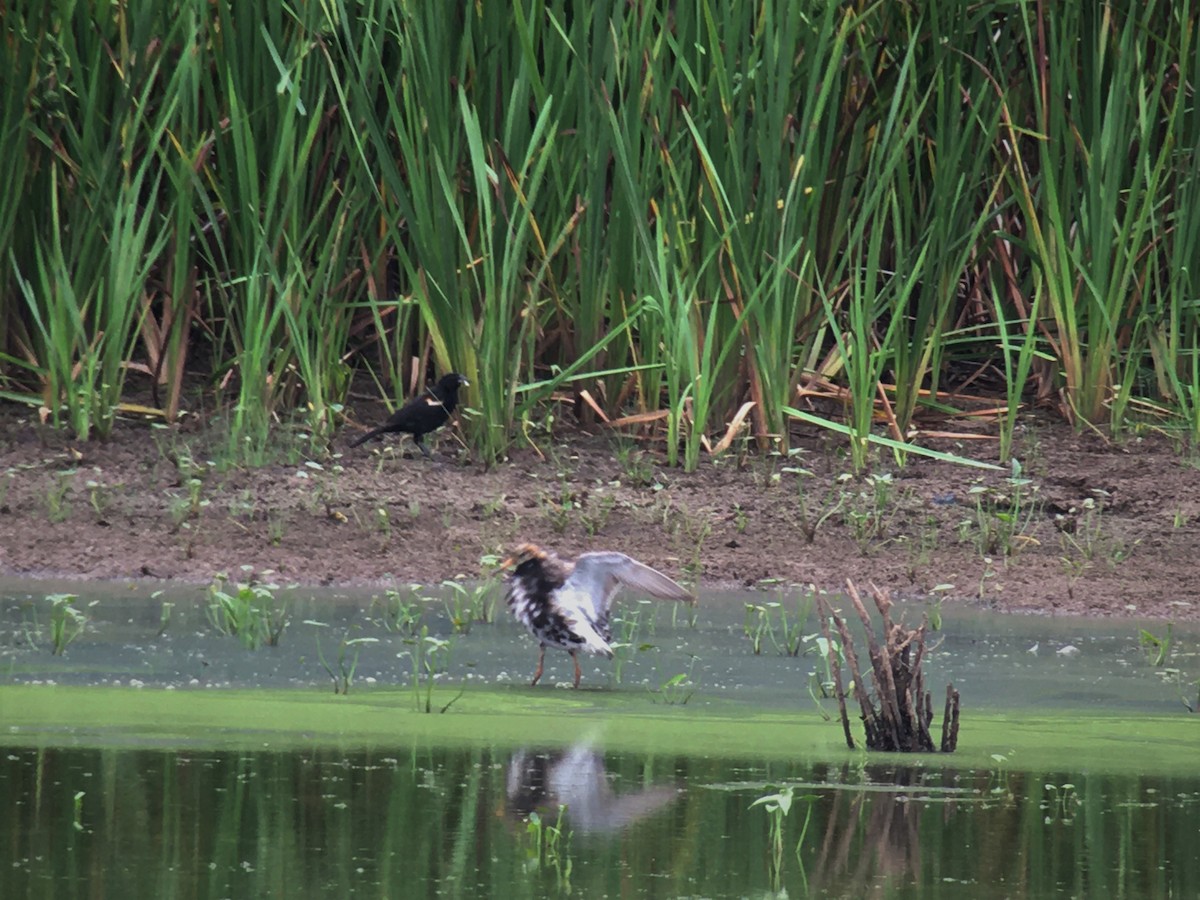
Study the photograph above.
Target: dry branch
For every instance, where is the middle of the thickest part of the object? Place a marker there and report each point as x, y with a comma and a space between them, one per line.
898, 716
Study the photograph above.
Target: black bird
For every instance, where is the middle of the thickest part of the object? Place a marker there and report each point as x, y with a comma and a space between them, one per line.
422, 414
567, 605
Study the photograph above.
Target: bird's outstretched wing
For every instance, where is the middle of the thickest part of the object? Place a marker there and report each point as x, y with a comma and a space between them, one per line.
597, 577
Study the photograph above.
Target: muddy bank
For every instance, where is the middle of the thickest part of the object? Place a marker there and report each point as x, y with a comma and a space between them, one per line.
1093, 527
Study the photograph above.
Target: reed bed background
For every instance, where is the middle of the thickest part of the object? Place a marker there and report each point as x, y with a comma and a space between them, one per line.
693, 216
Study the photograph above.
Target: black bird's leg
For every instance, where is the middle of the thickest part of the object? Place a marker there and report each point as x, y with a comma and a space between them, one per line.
541, 660
421, 446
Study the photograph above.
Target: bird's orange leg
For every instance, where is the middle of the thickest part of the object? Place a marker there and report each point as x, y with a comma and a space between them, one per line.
575, 657
538, 674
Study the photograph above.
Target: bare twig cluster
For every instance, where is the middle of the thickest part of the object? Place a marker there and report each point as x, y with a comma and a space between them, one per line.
899, 715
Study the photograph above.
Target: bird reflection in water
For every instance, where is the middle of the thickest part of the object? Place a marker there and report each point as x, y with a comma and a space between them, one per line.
543, 780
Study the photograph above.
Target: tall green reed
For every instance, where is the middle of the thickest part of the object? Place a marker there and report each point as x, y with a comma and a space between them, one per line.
405, 127
1091, 187
1170, 312
83, 273
688, 212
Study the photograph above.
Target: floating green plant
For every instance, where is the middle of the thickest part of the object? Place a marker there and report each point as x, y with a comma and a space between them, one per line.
1157, 649
165, 612
550, 846
821, 684
250, 612
468, 605
755, 626
629, 627
77, 811
1060, 803
678, 689
999, 782
400, 613
772, 621
67, 622
690, 611
430, 656
347, 661
777, 807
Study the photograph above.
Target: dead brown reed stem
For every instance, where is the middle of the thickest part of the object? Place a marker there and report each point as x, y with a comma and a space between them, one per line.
897, 714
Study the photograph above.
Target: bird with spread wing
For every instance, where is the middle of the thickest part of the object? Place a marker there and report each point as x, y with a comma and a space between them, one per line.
567, 604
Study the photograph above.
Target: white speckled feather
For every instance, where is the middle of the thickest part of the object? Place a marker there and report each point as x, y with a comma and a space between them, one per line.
567, 605
593, 642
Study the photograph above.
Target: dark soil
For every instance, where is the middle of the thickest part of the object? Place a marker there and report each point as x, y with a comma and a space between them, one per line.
1101, 527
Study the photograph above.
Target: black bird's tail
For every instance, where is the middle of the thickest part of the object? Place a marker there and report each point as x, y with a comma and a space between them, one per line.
362, 439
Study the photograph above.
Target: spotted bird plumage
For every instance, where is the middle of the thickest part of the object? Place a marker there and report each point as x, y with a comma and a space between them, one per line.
568, 605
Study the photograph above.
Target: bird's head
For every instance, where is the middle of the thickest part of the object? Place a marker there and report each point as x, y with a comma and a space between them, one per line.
452, 382
524, 554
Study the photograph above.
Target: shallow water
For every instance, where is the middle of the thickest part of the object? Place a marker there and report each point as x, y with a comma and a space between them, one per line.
417, 821
997, 661
220, 802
